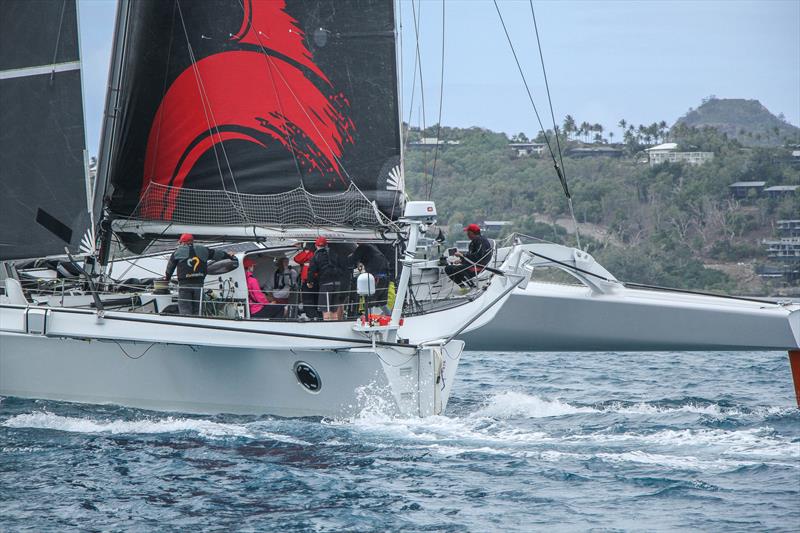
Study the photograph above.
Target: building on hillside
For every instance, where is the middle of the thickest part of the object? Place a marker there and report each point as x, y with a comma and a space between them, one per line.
781, 191
784, 249
493, 228
788, 228
595, 151
783, 252
428, 143
743, 189
668, 153
527, 149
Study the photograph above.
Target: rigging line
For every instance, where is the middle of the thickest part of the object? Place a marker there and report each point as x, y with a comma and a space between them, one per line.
535, 110
413, 94
164, 87
196, 72
58, 40
314, 124
555, 127
417, 23
207, 104
439, 120
271, 66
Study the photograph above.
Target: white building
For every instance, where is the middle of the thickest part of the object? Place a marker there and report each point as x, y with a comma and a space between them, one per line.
432, 142
668, 152
526, 149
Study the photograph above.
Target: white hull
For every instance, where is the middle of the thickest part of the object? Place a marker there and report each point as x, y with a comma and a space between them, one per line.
203, 379
546, 317
600, 316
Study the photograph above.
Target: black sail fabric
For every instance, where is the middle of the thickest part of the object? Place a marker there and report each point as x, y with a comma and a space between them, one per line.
255, 98
42, 140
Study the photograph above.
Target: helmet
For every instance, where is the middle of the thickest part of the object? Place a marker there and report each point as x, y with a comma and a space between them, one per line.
248, 262
474, 228
186, 238
320, 242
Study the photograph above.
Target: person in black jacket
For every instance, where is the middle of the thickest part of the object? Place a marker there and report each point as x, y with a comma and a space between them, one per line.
375, 263
324, 272
472, 262
191, 260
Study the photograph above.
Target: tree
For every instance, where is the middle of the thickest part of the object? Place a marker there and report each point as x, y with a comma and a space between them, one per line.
599, 129
611, 137
569, 125
622, 124
586, 128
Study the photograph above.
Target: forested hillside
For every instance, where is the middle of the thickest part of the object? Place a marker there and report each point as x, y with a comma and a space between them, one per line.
747, 121
672, 224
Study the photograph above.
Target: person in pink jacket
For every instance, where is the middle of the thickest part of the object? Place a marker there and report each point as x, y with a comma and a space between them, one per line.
260, 306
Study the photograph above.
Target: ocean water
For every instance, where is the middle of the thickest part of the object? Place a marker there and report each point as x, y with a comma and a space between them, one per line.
530, 442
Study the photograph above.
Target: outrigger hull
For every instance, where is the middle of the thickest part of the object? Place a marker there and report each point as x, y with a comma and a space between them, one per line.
553, 317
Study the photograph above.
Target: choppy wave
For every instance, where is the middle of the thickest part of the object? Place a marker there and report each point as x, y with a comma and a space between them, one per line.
546, 451
154, 425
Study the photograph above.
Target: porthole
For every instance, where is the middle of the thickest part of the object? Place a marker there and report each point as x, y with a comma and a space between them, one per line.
307, 376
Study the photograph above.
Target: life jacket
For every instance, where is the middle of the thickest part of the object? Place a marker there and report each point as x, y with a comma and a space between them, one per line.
192, 270
327, 269
302, 258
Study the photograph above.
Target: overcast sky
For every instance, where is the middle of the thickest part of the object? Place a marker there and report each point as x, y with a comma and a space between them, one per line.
644, 61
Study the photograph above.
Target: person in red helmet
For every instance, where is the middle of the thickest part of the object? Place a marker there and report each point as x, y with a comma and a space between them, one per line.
260, 305
472, 262
191, 261
308, 294
325, 273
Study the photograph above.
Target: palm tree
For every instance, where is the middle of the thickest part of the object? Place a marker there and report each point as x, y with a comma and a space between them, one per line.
662, 127
599, 129
611, 137
586, 128
622, 123
569, 125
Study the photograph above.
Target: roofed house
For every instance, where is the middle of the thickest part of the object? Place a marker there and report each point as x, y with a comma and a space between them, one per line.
427, 143
781, 191
788, 228
595, 151
743, 189
668, 153
526, 149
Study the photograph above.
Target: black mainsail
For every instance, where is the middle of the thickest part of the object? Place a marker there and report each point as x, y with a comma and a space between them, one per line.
244, 111
43, 206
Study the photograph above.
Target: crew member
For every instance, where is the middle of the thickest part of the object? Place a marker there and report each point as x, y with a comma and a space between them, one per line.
324, 272
375, 263
309, 294
260, 306
472, 262
191, 261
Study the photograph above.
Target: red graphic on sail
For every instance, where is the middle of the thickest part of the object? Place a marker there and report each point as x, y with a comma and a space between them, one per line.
260, 94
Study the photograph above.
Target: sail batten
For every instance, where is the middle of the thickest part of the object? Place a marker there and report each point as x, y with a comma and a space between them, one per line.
240, 99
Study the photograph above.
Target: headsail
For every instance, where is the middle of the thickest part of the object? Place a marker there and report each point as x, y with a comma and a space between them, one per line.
43, 206
228, 106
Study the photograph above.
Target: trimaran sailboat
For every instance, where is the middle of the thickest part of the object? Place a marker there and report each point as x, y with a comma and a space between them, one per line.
268, 123
246, 121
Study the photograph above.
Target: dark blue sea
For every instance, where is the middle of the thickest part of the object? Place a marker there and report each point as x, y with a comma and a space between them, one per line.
530, 442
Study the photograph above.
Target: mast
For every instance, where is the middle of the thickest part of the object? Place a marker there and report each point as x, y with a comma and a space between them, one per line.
109, 122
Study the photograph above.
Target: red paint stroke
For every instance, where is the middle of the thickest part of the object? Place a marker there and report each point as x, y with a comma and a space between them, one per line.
249, 91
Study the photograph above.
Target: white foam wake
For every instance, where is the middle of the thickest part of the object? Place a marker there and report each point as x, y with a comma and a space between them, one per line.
204, 428
511, 404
